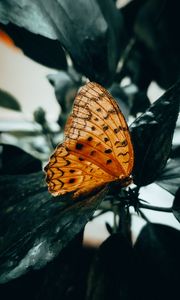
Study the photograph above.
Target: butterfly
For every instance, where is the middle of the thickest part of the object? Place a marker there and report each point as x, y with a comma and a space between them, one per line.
97, 147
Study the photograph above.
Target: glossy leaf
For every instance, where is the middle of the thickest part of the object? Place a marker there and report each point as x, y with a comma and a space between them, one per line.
157, 255
29, 15
152, 135
95, 54
176, 205
63, 278
97, 38
34, 227
170, 176
9, 101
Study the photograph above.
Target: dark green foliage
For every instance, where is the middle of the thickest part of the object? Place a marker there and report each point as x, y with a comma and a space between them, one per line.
152, 135
157, 257
85, 38
63, 278
34, 226
113, 270
156, 27
45, 51
41, 253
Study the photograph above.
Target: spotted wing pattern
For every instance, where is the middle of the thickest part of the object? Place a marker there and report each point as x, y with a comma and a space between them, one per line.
97, 148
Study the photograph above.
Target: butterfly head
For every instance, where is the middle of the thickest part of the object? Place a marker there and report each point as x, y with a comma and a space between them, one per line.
125, 181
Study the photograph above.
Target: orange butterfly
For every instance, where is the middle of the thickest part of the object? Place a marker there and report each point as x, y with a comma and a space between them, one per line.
97, 148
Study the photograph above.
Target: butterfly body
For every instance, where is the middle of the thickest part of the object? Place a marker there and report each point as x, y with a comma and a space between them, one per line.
97, 148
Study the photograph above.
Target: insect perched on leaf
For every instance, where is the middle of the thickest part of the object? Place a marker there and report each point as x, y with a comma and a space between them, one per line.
97, 148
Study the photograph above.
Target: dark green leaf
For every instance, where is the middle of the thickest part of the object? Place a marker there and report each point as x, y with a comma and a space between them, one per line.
9, 101
176, 205
93, 42
45, 51
129, 12
96, 53
157, 255
152, 135
63, 278
29, 15
170, 176
112, 273
137, 67
34, 226
157, 27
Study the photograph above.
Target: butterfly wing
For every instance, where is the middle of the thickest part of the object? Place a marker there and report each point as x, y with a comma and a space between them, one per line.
97, 145
97, 130
66, 172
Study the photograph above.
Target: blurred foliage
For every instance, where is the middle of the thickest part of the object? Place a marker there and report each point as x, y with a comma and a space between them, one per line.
124, 49
9, 101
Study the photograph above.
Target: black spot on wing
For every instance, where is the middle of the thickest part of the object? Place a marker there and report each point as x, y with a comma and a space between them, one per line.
109, 161
108, 151
79, 146
72, 180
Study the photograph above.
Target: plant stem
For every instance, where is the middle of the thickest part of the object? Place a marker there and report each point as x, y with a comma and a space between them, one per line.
143, 216
157, 208
125, 223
